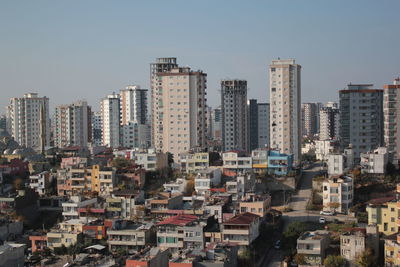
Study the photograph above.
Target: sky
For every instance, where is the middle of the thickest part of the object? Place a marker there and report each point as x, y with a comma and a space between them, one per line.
73, 50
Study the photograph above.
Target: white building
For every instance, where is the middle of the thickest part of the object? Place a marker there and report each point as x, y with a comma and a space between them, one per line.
71, 207
285, 109
240, 185
40, 182
234, 161
97, 129
375, 161
310, 113
178, 186
391, 109
135, 135
28, 121
234, 115
339, 163
325, 147
110, 116
73, 125
133, 105
263, 125
338, 193
206, 179
179, 119
329, 122
149, 159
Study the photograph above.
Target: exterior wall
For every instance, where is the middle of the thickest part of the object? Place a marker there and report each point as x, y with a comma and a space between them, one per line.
235, 134
135, 135
384, 216
252, 111
285, 101
57, 239
73, 125
336, 164
391, 108
97, 126
110, 116
375, 161
26, 122
340, 191
133, 105
12, 255
361, 118
192, 162
263, 125
260, 208
329, 118
309, 119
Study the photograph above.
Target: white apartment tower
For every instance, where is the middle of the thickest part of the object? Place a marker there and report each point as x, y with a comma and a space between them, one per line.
329, 119
391, 110
28, 120
285, 103
162, 65
310, 119
133, 105
234, 115
110, 116
361, 118
179, 121
73, 125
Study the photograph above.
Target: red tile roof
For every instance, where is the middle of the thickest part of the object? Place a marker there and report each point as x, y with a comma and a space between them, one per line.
242, 218
381, 200
179, 220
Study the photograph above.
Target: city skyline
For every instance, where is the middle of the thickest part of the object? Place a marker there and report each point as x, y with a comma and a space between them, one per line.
88, 52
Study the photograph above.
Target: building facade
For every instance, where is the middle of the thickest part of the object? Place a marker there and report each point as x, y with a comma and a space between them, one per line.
110, 117
361, 118
133, 105
338, 193
253, 123
309, 112
285, 101
73, 125
329, 121
263, 125
391, 109
234, 115
97, 132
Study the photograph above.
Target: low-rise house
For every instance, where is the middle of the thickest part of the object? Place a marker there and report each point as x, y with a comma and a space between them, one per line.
166, 201
96, 229
57, 238
313, 246
72, 206
149, 159
259, 160
12, 255
193, 162
256, 204
392, 250
181, 231
149, 257
206, 179
375, 161
73, 161
130, 236
178, 186
217, 205
120, 206
236, 162
339, 163
357, 240
241, 229
14, 167
325, 147
338, 193
384, 215
279, 163
241, 184
41, 182
38, 242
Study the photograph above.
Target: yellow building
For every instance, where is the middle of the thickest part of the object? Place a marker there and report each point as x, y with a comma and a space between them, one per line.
192, 162
392, 250
57, 238
384, 216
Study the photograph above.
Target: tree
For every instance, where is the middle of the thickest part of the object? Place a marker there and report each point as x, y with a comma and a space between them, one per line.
334, 261
120, 163
19, 184
366, 259
189, 188
390, 169
299, 259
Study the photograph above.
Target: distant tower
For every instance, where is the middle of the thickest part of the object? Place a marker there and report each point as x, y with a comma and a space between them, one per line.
42, 129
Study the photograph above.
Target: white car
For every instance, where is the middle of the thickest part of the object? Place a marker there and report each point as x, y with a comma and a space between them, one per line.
327, 212
322, 220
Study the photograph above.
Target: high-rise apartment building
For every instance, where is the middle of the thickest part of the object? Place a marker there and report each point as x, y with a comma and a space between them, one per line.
234, 115
110, 116
97, 126
391, 110
329, 118
157, 106
73, 125
216, 121
263, 125
310, 112
253, 123
28, 121
179, 121
133, 105
285, 106
361, 118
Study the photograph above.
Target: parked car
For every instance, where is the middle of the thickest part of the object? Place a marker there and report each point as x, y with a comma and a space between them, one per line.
327, 212
277, 244
322, 220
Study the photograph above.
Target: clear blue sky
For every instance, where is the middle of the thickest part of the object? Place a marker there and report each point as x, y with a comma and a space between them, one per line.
71, 50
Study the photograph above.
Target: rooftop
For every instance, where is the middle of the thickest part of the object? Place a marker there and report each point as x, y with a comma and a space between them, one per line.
179, 220
242, 219
316, 235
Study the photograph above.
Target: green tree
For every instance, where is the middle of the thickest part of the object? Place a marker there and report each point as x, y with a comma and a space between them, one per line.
120, 163
334, 261
366, 259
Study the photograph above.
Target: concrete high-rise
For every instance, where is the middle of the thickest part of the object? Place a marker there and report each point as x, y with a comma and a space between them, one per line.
28, 120
263, 125
157, 106
73, 125
285, 106
253, 123
216, 121
391, 110
97, 126
310, 113
361, 118
179, 118
329, 118
110, 116
234, 115
133, 105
